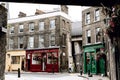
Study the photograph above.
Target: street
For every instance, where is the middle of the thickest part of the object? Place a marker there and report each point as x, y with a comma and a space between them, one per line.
51, 76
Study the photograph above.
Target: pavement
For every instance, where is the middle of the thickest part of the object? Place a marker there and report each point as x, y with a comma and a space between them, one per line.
51, 76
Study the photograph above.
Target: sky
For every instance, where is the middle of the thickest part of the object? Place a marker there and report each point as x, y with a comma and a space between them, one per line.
29, 9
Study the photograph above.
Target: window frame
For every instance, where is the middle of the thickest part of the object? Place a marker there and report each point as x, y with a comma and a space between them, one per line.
31, 27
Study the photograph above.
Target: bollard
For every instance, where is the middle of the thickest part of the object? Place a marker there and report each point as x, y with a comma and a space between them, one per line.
18, 72
81, 72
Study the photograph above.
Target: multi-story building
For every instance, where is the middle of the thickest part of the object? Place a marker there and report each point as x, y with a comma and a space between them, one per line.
94, 40
39, 42
76, 34
3, 30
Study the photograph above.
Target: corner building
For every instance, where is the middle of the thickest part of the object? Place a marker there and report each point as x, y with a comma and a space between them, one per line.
39, 43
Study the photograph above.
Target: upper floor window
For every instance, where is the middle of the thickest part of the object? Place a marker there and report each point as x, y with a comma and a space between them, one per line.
11, 43
11, 30
97, 15
52, 24
41, 41
41, 26
88, 36
21, 28
98, 35
64, 39
20, 42
31, 27
31, 42
63, 24
52, 39
87, 18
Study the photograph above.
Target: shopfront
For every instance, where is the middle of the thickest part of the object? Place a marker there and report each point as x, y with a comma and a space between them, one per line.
42, 60
94, 59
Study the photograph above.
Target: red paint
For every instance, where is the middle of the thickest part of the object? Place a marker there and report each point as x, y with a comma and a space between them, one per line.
41, 59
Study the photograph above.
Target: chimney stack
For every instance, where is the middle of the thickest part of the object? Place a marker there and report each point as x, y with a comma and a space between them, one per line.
21, 14
39, 12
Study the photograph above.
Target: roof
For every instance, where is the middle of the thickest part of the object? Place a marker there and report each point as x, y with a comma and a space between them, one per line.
41, 16
76, 28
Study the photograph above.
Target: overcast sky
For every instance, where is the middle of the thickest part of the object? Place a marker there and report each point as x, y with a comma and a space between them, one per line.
29, 9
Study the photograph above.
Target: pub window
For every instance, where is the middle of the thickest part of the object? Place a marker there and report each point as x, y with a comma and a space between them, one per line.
52, 58
36, 58
15, 59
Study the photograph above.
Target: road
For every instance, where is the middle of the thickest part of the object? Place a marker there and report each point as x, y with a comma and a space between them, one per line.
43, 76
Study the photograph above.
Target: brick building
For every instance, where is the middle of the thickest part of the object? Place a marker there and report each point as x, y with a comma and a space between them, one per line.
39, 43
93, 28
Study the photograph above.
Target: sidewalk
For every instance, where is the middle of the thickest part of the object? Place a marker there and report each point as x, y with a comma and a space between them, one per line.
94, 77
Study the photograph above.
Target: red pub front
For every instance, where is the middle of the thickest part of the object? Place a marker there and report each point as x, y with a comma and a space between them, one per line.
42, 60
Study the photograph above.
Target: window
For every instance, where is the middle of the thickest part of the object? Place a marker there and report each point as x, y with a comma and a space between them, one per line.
98, 35
88, 36
11, 30
52, 39
36, 58
31, 27
41, 26
63, 39
63, 24
20, 42
41, 41
31, 42
88, 18
97, 15
52, 58
15, 59
10, 43
21, 28
52, 24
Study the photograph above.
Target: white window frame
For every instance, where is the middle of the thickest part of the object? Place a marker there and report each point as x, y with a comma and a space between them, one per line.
31, 42
96, 32
52, 24
97, 15
88, 34
87, 18
11, 42
31, 27
41, 26
21, 26
12, 30
52, 39
20, 41
41, 41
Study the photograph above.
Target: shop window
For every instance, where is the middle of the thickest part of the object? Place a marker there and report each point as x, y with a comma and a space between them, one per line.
52, 58
15, 60
36, 58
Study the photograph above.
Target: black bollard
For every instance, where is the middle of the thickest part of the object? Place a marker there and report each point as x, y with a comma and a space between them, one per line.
18, 72
81, 72
89, 75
